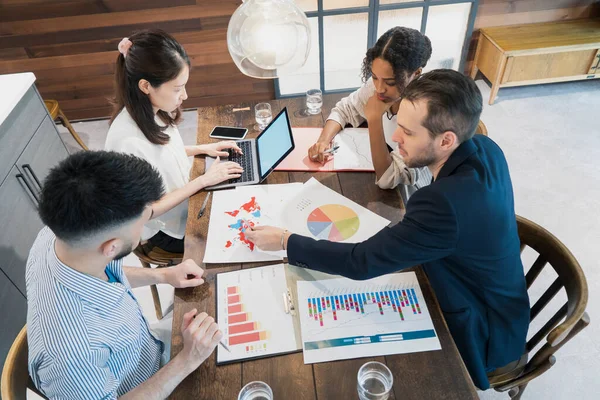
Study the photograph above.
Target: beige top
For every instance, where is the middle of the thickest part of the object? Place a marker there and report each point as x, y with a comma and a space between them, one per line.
169, 159
351, 110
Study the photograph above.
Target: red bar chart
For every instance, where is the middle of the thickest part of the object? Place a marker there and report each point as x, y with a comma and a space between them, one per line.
252, 316
241, 328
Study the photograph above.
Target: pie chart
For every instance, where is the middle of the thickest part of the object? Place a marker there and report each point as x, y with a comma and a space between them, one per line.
333, 222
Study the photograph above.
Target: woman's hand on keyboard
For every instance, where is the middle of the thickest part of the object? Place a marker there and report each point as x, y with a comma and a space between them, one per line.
221, 171
218, 149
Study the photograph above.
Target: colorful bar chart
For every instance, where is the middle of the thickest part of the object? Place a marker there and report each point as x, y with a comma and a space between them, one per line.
241, 328
351, 319
397, 301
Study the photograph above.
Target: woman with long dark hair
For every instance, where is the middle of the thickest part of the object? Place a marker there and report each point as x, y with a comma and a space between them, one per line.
398, 57
151, 73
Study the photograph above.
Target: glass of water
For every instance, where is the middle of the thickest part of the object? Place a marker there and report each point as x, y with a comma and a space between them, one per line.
256, 390
314, 101
263, 115
375, 381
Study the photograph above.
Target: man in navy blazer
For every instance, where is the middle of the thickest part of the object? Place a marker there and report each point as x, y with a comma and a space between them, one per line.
462, 228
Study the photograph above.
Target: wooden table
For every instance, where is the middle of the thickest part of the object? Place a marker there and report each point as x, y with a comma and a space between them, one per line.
428, 375
529, 54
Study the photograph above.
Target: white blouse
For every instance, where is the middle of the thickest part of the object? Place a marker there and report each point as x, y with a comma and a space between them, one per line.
351, 110
169, 159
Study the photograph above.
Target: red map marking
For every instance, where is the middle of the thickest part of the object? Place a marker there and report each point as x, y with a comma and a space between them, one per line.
242, 224
250, 206
246, 241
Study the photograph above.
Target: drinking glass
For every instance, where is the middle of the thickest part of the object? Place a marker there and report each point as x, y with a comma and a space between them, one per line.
375, 381
314, 101
263, 115
256, 390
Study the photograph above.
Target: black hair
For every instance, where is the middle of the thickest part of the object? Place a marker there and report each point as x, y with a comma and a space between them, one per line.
158, 58
405, 49
454, 102
92, 191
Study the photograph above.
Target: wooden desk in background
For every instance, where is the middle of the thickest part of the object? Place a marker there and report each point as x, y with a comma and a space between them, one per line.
427, 375
519, 55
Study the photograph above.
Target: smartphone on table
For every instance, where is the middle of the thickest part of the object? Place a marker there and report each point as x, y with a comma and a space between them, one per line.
228, 132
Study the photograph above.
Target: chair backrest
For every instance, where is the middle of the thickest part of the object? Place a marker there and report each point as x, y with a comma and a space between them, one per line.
572, 314
481, 129
157, 256
15, 375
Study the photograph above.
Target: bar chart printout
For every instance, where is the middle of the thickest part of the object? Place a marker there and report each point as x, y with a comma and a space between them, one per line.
251, 314
342, 318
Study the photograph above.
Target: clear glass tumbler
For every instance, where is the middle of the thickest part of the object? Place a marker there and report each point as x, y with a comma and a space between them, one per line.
256, 390
314, 101
263, 115
375, 381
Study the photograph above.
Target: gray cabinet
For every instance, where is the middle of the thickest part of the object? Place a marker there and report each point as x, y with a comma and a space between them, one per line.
29, 147
13, 318
20, 225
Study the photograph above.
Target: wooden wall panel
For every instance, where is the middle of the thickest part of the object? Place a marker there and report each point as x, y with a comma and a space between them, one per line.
513, 12
71, 46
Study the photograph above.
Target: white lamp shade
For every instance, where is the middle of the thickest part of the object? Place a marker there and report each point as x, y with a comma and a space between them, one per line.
268, 38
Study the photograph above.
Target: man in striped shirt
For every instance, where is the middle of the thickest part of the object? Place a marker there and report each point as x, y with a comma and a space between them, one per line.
87, 336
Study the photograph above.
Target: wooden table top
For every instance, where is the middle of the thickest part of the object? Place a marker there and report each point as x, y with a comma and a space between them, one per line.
427, 375
546, 35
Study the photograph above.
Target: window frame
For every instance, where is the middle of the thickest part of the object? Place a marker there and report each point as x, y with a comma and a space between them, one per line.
373, 10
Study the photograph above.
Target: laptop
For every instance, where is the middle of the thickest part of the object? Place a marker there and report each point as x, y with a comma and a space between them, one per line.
261, 155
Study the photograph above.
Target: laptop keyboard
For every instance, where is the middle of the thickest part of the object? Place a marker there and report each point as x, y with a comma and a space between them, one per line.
245, 160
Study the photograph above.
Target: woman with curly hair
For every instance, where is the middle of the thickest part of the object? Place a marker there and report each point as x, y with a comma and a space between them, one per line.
397, 58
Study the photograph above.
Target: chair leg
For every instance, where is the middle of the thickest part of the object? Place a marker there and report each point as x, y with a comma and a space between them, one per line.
155, 298
517, 392
63, 119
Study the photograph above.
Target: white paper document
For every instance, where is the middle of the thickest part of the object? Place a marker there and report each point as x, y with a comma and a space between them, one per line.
321, 213
234, 211
251, 314
342, 318
354, 152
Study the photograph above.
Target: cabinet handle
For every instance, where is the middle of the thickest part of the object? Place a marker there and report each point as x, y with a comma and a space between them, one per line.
35, 197
27, 168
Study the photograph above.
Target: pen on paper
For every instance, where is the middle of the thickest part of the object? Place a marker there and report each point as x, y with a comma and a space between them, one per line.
331, 150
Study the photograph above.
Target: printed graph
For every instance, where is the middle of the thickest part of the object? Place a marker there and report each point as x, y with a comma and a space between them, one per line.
242, 329
392, 301
251, 313
384, 315
333, 222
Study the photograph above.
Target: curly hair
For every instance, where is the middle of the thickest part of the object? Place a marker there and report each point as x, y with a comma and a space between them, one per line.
405, 49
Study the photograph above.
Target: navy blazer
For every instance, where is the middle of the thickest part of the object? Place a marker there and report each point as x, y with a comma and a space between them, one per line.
462, 228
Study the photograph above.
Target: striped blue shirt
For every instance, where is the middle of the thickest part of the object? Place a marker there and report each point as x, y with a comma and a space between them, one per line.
87, 338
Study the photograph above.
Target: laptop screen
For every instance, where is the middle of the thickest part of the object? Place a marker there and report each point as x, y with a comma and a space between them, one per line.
274, 143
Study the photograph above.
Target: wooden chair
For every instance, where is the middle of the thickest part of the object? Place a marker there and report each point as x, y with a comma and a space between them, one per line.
57, 113
161, 258
15, 375
570, 276
481, 129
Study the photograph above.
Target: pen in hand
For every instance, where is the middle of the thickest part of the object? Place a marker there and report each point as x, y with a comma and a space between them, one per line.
224, 346
222, 343
331, 150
